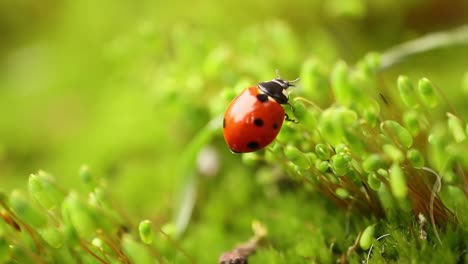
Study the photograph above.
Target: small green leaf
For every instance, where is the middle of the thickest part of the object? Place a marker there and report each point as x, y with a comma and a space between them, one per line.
43, 188
373, 181
49, 186
146, 231
395, 131
85, 175
455, 126
322, 166
393, 152
342, 193
398, 182
341, 85
294, 171
330, 126
340, 164
415, 157
312, 157
309, 119
373, 163
406, 90
373, 61
97, 242
299, 109
367, 237
333, 123
411, 120
382, 172
297, 157
313, 80
52, 236
341, 148
23, 208
369, 65
322, 151
346, 116
353, 138
427, 93
37, 191
79, 215
371, 118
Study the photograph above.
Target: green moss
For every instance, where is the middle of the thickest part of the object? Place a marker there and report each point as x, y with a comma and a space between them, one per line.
137, 91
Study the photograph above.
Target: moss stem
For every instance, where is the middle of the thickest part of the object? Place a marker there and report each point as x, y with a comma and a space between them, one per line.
431, 41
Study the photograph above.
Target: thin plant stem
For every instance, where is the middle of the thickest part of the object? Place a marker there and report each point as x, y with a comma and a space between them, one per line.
372, 246
429, 42
435, 189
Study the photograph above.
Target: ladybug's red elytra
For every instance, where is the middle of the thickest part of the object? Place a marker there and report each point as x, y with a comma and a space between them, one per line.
254, 118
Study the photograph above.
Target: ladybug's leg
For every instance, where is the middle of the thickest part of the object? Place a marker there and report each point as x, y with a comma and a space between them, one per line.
290, 119
287, 117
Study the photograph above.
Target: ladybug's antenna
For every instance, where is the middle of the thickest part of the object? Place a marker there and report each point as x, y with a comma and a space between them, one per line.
295, 80
277, 74
290, 83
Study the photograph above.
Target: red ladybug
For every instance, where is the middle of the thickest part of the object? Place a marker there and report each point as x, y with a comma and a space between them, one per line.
254, 118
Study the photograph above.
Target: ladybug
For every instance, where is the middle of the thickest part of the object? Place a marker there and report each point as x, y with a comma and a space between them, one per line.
254, 118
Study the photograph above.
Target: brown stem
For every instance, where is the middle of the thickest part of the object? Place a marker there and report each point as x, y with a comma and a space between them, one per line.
175, 244
83, 245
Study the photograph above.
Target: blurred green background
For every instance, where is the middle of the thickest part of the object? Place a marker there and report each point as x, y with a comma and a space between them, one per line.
123, 86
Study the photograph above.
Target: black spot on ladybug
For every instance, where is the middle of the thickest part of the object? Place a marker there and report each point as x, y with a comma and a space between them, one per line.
224, 122
275, 126
258, 122
262, 97
253, 145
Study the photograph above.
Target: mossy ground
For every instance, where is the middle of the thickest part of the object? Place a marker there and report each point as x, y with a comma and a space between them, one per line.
130, 88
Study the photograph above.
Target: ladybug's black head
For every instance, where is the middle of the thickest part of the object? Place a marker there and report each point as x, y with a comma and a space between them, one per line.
276, 89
